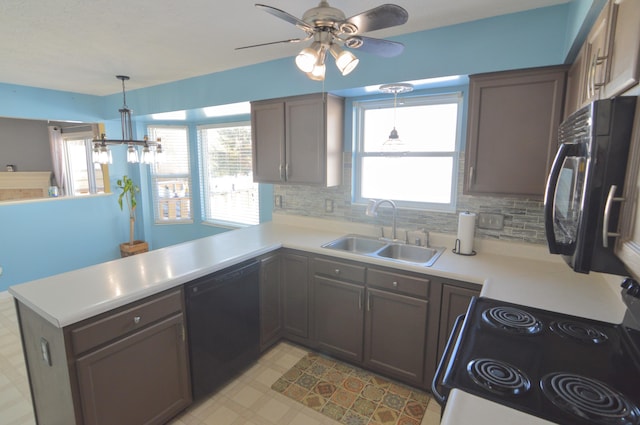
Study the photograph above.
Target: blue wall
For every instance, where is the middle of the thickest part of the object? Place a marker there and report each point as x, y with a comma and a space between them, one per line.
43, 238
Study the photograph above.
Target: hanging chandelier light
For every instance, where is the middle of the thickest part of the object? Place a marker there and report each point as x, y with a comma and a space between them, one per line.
394, 142
151, 150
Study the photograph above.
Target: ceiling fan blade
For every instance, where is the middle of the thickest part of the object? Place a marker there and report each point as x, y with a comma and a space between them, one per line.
385, 16
285, 16
291, 40
376, 46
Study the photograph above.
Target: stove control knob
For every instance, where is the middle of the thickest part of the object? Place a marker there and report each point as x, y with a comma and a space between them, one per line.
627, 283
634, 289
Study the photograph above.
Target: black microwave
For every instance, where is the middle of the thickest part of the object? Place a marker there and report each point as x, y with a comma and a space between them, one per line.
584, 187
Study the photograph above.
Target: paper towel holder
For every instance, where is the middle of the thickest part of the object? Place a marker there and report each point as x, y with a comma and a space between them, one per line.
456, 249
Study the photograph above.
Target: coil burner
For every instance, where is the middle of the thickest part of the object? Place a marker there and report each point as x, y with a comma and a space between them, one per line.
513, 320
498, 377
582, 332
589, 399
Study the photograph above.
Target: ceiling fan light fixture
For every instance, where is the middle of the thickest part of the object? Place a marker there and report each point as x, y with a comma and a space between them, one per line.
345, 60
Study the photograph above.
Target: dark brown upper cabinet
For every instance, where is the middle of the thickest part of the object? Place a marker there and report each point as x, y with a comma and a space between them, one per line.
512, 131
298, 140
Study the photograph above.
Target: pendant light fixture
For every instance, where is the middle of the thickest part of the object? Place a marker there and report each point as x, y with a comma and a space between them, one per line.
394, 142
151, 150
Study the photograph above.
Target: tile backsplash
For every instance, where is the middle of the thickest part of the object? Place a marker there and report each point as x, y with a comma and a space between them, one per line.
523, 218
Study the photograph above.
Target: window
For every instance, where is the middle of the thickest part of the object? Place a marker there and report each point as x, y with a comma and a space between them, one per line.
84, 176
229, 194
420, 172
171, 177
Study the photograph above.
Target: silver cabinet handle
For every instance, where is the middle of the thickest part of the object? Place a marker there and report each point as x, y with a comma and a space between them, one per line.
136, 320
286, 171
281, 172
337, 271
470, 176
611, 198
368, 301
395, 284
360, 301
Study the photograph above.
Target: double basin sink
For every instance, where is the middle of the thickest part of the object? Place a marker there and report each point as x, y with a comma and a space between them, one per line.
386, 250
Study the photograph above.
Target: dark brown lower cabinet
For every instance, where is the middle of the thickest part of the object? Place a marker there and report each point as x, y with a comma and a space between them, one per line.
271, 298
295, 287
126, 366
139, 379
395, 332
455, 301
338, 317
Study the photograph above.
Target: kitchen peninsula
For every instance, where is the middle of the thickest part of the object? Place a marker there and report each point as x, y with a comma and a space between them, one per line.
511, 272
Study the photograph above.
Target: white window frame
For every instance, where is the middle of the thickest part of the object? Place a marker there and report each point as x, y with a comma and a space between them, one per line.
86, 138
429, 99
207, 207
185, 200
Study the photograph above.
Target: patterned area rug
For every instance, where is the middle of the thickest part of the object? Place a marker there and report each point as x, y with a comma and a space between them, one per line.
350, 395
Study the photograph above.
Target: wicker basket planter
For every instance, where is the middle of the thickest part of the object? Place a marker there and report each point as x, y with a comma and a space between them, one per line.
138, 247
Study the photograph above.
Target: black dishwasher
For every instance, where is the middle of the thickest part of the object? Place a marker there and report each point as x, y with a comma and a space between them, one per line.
223, 325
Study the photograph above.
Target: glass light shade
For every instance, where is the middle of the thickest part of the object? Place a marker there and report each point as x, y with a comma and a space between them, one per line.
95, 154
132, 155
306, 59
102, 155
147, 155
159, 157
345, 60
317, 73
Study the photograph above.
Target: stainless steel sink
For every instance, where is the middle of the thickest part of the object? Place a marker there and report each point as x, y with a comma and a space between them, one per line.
357, 244
386, 250
410, 253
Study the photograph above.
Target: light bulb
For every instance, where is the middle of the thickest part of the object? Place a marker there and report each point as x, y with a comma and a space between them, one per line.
317, 73
345, 60
132, 154
306, 59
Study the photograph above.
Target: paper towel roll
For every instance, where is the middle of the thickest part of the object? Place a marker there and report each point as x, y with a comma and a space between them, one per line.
466, 230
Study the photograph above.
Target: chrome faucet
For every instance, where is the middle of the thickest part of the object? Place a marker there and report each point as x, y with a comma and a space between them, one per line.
372, 211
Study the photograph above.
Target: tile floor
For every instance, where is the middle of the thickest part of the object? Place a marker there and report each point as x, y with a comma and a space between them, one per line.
248, 400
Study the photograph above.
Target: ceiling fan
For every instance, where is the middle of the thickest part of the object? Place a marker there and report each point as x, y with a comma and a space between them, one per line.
330, 29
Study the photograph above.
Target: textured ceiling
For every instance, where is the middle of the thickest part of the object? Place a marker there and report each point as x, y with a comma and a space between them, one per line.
80, 45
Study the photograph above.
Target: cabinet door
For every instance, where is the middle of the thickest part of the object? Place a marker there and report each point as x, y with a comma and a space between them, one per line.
596, 49
455, 301
512, 132
267, 141
270, 301
576, 84
624, 62
295, 286
395, 335
140, 379
338, 318
305, 122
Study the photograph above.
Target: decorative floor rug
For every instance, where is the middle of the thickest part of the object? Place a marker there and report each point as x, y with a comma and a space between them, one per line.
350, 395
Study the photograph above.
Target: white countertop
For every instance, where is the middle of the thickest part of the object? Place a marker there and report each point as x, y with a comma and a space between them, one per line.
519, 273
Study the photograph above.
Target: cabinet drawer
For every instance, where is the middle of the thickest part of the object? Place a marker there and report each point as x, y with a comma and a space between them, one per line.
398, 282
339, 270
120, 323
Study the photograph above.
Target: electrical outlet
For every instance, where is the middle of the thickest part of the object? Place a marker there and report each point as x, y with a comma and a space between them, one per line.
328, 205
277, 201
490, 221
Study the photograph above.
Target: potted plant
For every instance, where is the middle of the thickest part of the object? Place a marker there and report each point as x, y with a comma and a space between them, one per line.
128, 194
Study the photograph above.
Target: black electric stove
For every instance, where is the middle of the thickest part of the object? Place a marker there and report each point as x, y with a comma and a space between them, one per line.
562, 368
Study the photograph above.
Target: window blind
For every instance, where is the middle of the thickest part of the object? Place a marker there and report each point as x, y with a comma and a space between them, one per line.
171, 177
229, 194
